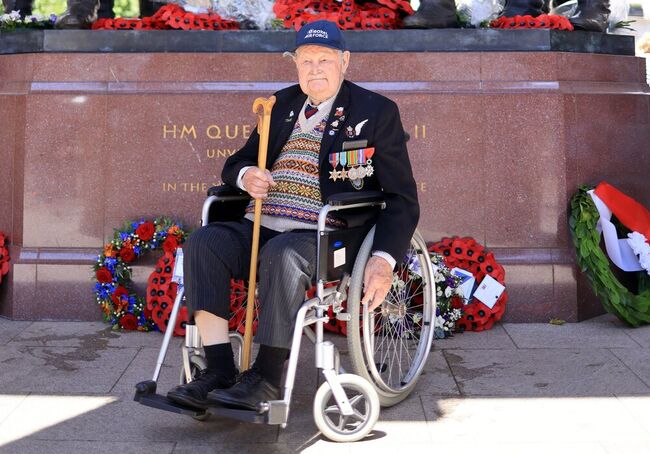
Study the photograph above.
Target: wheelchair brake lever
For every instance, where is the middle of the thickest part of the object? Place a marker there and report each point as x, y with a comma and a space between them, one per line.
340, 290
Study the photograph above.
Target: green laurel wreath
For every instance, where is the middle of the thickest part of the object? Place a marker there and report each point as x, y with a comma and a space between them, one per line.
633, 309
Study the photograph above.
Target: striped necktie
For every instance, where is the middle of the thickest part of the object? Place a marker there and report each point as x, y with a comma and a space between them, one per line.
310, 110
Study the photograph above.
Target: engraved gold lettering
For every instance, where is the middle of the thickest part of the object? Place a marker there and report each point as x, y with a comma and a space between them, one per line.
188, 131
420, 131
246, 131
213, 132
220, 152
234, 135
422, 186
169, 187
166, 131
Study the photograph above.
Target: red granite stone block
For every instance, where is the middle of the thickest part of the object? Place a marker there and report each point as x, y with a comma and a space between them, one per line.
81, 67
598, 67
64, 170
413, 66
509, 66
524, 171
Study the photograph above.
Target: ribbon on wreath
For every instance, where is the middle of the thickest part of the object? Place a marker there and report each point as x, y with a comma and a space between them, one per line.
632, 253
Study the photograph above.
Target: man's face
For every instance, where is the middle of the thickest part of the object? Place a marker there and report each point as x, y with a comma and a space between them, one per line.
320, 70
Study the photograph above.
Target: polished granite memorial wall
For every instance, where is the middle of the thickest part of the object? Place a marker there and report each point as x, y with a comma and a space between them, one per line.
499, 143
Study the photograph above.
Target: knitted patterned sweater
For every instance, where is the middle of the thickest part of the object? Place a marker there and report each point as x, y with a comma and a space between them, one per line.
295, 200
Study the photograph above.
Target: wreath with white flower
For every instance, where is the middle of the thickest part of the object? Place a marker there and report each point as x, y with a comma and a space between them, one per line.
632, 308
449, 298
467, 254
114, 292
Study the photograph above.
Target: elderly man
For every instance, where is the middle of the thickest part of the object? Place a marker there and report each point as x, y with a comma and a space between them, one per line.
310, 125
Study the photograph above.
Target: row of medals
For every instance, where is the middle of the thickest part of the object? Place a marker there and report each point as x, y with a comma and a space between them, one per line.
353, 173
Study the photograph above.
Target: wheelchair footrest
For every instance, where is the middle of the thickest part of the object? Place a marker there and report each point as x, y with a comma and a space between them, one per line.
162, 403
146, 395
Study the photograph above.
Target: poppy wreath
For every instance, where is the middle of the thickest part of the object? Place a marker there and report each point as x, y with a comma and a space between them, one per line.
348, 14
168, 17
4, 256
632, 308
467, 254
553, 21
114, 292
161, 292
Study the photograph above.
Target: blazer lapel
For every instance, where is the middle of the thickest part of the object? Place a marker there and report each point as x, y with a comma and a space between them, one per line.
341, 101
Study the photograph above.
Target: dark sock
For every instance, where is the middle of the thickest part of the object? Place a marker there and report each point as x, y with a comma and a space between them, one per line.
270, 363
220, 359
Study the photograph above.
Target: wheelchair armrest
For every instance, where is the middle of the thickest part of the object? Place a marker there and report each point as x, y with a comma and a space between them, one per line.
351, 198
226, 192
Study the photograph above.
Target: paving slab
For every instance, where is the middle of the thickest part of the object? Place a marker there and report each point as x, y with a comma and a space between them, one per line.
542, 372
90, 368
626, 447
248, 448
37, 414
639, 408
8, 403
602, 332
436, 378
120, 418
9, 329
29, 446
142, 368
641, 335
545, 420
74, 334
496, 338
637, 360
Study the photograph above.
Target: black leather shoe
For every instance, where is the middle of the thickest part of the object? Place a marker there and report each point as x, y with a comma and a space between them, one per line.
250, 390
195, 393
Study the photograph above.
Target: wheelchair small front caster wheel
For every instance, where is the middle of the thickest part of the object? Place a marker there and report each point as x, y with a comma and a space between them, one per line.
197, 364
365, 404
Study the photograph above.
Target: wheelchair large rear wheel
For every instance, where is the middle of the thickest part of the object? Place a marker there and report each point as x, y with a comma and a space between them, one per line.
390, 345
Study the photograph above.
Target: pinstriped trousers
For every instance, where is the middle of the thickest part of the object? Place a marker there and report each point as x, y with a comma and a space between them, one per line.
215, 253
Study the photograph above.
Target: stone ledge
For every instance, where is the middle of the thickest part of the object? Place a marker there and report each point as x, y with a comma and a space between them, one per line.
441, 40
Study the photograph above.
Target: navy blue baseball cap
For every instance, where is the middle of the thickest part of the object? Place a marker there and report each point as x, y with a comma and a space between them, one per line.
321, 33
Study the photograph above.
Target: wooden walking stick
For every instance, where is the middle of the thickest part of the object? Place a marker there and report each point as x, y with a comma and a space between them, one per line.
262, 107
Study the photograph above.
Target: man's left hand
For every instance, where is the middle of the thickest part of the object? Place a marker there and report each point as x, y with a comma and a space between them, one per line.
377, 280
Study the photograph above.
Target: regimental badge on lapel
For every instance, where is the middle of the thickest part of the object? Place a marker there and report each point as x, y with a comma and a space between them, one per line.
355, 165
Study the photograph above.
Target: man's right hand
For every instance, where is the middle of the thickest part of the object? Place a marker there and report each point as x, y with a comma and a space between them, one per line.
257, 182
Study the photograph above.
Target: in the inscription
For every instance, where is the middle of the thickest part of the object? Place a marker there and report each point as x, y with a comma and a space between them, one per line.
184, 186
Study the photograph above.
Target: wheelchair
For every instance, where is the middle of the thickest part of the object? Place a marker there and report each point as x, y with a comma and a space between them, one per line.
388, 347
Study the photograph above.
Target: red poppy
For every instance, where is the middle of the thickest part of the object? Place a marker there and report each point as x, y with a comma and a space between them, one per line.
181, 321
402, 5
128, 322
104, 276
127, 254
170, 244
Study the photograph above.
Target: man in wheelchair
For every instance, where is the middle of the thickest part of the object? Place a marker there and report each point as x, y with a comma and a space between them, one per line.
327, 136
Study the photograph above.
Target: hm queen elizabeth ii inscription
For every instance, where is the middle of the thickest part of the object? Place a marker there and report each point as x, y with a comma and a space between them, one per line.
213, 143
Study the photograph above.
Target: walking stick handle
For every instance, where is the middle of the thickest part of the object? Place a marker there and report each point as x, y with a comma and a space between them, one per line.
262, 107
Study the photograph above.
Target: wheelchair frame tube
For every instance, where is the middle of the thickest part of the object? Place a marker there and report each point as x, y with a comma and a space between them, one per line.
169, 332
